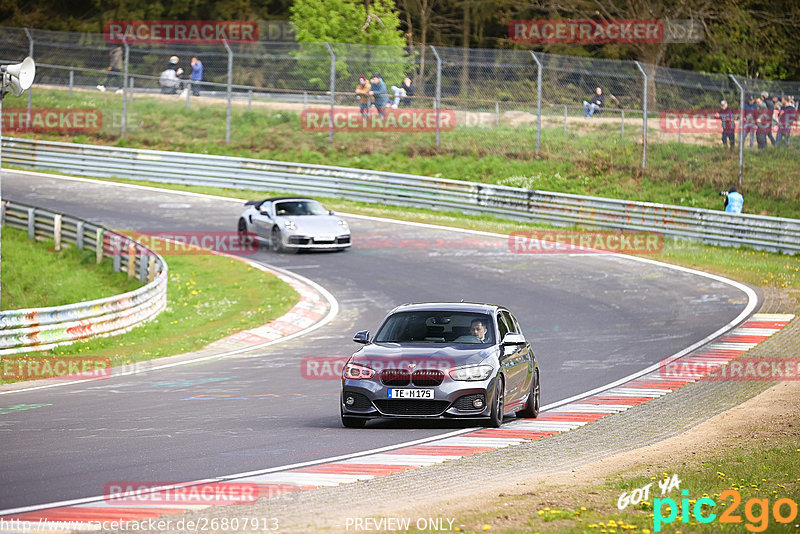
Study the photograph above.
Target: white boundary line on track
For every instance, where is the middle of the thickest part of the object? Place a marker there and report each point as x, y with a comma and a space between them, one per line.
751, 304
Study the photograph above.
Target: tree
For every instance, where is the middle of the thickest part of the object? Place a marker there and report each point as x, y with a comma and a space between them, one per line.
347, 24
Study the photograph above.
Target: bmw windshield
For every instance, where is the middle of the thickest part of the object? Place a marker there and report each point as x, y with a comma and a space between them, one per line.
437, 327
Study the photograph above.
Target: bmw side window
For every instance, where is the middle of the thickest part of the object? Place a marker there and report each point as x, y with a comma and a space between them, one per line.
501, 324
513, 325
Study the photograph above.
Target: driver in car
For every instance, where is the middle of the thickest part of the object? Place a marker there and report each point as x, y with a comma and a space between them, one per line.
478, 329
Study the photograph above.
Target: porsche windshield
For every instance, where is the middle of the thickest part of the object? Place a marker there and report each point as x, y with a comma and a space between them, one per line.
299, 207
437, 327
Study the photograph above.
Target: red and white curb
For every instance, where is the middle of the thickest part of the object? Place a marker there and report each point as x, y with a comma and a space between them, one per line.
88, 514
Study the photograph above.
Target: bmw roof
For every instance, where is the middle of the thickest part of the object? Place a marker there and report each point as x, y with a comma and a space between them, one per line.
472, 307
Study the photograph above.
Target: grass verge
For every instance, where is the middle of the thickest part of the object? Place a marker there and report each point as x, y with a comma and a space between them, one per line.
35, 276
592, 158
208, 297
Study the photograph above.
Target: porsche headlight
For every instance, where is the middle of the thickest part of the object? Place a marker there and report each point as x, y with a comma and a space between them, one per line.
471, 373
289, 225
342, 223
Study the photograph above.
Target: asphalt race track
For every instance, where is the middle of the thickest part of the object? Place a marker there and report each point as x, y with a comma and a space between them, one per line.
592, 319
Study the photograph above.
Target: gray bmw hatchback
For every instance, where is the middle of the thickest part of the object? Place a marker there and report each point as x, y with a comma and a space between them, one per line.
441, 360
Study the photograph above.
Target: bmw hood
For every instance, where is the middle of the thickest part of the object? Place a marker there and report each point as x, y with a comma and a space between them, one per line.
421, 356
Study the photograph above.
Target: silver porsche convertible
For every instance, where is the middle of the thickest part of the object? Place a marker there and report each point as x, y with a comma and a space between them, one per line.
293, 223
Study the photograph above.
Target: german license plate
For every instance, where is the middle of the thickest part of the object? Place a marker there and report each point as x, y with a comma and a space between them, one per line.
411, 394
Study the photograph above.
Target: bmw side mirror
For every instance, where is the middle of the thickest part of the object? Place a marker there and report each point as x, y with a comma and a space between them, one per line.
362, 337
512, 338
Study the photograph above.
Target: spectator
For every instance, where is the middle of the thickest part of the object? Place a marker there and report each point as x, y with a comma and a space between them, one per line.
595, 103
410, 88
763, 123
114, 70
750, 118
169, 80
725, 115
197, 76
362, 90
770, 103
378, 93
733, 201
398, 92
786, 118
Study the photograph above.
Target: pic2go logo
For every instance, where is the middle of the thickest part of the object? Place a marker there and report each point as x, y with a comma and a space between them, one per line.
756, 511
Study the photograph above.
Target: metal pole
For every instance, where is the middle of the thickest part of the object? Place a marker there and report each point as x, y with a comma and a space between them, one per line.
30, 53
497, 114
130, 93
438, 102
538, 102
71, 80
230, 83
741, 128
249, 100
124, 88
332, 90
644, 115
565, 118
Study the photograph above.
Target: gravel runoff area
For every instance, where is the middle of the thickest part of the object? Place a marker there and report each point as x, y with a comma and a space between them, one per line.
327, 509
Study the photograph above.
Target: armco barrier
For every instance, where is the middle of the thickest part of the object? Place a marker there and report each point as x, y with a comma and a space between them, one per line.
558, 209
38, 329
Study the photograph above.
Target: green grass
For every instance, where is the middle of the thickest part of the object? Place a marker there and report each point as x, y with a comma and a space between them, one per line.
589, 159
35, 276
208, 297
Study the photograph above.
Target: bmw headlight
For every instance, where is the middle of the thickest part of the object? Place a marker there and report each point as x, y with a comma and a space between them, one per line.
357, 372
289, 225
471, 373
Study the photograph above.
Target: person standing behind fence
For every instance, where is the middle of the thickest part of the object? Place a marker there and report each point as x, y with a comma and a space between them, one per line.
725, 115
362, 90
770, 103
379, 94
595, 103
763, 123
750, 108
786, 118
197, 76
114, 70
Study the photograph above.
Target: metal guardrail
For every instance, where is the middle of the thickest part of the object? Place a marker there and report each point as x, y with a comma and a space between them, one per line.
38, 329
557, 209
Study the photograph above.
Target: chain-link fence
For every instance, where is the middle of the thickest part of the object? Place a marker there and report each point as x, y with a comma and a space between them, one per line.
507, 102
